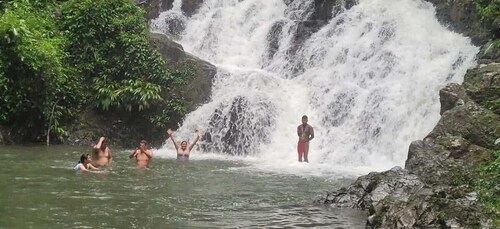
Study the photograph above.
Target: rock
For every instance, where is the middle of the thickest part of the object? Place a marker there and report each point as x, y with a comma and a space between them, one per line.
461, 16
490, 52
466, 118
153, 8
199, 88
190, 7
483, 85
234, 132
448, 98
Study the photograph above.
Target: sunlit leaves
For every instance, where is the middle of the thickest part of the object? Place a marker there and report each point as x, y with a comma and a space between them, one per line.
109, 42
33, 72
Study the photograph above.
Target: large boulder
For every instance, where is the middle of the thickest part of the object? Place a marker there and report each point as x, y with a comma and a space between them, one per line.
199, 88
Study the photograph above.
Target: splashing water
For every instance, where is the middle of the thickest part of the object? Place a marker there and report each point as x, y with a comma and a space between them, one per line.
368, 79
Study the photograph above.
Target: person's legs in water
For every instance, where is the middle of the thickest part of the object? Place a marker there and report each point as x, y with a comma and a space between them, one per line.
300, 150
306, 151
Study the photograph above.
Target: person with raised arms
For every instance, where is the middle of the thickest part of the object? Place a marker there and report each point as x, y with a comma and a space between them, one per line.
102, 154
183, 150
142, 154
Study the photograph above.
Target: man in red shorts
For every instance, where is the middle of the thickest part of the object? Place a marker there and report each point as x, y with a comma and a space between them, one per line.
306, 134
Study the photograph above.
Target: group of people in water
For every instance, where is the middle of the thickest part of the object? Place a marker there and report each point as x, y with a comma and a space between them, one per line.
102, 157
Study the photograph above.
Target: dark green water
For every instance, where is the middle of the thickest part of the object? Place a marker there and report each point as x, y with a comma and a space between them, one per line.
40, 189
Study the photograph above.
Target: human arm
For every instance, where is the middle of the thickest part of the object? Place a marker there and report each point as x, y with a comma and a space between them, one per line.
99, 143
299, 132
90, 166
146, 151
130, 156
198, 136
171, 135
110, 157
311, 133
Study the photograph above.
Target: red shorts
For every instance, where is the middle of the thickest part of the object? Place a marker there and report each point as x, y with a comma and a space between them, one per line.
301, 148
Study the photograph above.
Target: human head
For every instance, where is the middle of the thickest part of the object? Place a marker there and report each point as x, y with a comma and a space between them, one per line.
184, 145
304, 119
84, 158
143, 143
104, 144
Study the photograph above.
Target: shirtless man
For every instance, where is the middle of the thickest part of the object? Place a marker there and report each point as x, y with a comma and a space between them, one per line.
142, 155
306, 134
183, 150
102, 154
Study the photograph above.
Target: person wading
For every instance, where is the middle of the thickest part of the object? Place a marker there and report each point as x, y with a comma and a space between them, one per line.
84, 165
142, 155
183, 150
102, 154
306, 134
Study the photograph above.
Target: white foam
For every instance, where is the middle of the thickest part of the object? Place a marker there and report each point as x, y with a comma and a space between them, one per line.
369, 85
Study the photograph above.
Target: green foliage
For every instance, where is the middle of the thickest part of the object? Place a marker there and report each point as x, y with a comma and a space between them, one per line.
110, 47
488, 10
489, 187
495, 44
33, 74
493, 105
57, 57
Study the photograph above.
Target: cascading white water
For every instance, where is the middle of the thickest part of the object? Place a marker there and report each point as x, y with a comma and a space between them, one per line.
368, 80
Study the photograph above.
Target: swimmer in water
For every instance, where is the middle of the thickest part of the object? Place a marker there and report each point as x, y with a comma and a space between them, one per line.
183, 149
142, 155
85, 165
102, 154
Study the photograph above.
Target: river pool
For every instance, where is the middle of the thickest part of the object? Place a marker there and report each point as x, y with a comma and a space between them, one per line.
40, 189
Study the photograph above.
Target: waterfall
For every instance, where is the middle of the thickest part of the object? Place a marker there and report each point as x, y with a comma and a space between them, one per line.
368, 79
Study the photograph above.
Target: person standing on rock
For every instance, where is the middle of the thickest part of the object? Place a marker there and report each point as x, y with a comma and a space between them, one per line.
102, 154
142, 155
306, 134
183, 149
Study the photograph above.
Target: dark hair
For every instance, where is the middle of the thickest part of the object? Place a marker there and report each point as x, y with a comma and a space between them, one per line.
144, 142
304, 116
83, 157
183, 142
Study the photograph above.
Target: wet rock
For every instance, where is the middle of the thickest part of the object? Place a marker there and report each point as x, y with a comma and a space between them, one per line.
483, 85
461, 16
153, 8
239, 129
190, 7
199, 88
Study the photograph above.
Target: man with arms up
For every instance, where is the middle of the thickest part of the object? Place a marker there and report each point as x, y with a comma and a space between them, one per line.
142, 155
306, 134
102, 154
